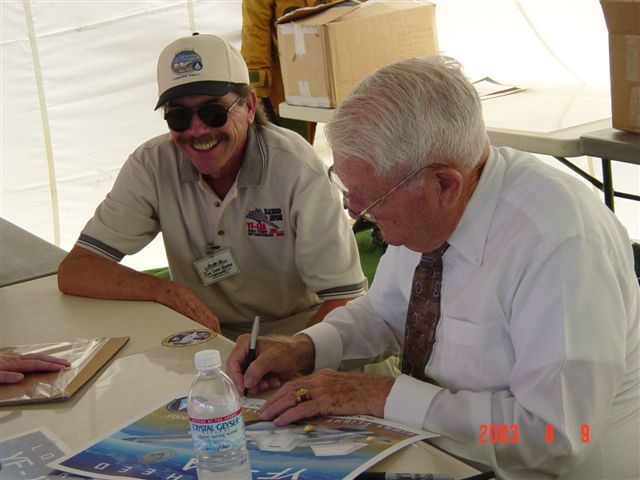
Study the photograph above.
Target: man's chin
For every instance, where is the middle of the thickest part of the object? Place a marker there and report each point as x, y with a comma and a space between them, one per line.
388, 239
395, 241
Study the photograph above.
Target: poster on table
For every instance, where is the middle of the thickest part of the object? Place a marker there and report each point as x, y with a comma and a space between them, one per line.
157, 446
25, 456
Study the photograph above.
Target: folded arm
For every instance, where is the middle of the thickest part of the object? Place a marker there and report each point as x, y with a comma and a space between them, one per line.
87, 274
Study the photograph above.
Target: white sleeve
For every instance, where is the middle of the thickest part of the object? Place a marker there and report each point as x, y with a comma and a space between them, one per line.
370, 327
326, 253
127, 219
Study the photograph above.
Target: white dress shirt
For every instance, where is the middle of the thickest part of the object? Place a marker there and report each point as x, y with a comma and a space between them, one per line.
539, 329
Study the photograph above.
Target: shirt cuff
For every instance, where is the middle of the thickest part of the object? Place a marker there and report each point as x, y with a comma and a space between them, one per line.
409, 401
327, 343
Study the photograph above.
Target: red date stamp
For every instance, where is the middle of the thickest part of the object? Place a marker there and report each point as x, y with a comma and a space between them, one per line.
511, 434
499, 433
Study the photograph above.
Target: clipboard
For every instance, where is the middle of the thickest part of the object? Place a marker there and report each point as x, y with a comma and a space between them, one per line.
86, 358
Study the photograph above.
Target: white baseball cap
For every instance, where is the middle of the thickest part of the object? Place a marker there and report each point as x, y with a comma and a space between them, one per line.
199, 65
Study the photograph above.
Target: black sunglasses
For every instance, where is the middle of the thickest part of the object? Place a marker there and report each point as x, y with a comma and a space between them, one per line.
212, 114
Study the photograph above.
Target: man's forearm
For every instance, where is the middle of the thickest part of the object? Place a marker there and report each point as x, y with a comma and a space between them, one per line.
86, 274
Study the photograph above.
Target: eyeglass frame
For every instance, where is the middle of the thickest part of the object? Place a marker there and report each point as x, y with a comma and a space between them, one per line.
196, 111
365, 213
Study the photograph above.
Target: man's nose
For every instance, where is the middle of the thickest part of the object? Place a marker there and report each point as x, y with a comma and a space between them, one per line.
352, 207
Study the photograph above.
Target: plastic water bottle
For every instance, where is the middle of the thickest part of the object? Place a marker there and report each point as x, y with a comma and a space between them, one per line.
217, 428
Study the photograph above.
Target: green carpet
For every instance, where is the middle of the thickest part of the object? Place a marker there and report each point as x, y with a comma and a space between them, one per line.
160, 272
370, 254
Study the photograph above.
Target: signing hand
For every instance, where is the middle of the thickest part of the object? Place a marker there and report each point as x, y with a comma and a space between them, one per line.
12, 365
328, 393
278, 359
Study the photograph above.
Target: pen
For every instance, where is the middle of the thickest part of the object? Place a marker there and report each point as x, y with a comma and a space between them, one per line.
402, 476
481, 476
252, 347
419, 476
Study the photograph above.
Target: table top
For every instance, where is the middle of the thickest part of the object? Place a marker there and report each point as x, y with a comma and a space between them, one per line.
545, 119
24, 256
140, 377
612, 144
37, 312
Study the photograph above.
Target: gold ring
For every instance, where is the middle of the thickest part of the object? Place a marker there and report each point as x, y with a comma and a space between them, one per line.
302, 395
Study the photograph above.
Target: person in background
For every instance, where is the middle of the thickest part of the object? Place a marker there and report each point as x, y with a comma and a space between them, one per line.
250, 222
13, 365
260, 51
507, 286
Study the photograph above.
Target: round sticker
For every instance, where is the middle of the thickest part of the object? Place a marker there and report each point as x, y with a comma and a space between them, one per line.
188, 337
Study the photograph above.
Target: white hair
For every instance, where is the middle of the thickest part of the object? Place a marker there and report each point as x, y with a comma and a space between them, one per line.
411, 113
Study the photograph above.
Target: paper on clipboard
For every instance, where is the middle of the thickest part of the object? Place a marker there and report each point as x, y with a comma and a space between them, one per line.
86, 358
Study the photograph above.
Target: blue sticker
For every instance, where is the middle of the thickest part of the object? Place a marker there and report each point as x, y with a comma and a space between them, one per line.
188, 337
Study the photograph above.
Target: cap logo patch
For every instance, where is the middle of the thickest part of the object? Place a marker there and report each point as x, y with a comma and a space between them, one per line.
185, 62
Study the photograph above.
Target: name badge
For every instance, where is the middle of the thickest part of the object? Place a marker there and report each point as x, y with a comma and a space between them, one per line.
216, 267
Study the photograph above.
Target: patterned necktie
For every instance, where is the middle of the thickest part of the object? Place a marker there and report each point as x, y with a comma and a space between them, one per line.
423, 313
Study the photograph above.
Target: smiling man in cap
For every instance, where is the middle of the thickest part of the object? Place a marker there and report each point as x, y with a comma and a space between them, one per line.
250, 222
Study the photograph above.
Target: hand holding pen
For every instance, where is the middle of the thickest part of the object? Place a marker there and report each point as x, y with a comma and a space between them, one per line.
280, 359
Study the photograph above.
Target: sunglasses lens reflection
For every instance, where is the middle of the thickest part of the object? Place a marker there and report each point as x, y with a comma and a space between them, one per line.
213, 115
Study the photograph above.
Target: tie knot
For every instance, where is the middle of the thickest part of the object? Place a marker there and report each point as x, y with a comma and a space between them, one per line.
436, 254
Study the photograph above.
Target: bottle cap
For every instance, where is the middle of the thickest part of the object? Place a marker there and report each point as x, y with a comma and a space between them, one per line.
207, 359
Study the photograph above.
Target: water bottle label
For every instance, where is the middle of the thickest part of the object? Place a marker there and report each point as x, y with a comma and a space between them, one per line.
217, 435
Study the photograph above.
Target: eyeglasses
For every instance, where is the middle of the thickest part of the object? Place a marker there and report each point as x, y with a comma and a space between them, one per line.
366, 213
212, 114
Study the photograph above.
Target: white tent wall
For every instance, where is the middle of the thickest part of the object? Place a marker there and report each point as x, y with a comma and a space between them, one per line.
78, 88
78, 91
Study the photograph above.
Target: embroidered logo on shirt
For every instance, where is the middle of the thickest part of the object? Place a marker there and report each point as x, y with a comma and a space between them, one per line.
262, 224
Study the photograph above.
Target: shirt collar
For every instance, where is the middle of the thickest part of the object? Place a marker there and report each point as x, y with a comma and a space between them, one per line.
470, 236
253, 163
255, 159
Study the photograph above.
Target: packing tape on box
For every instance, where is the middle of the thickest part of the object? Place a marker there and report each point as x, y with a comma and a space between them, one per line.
304, 89
298, 39
322, 102
298, 32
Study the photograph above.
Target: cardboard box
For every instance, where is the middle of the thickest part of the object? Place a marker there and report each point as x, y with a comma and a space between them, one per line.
325, 50
623, 23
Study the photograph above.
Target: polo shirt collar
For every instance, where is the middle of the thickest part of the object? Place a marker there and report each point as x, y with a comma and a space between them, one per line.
255, 159
188, 172
253, 162
470, 236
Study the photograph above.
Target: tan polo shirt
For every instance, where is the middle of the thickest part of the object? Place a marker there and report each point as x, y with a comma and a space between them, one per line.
282, 220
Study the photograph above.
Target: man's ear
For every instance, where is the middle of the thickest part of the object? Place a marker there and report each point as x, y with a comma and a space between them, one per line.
251, 102
450, 186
